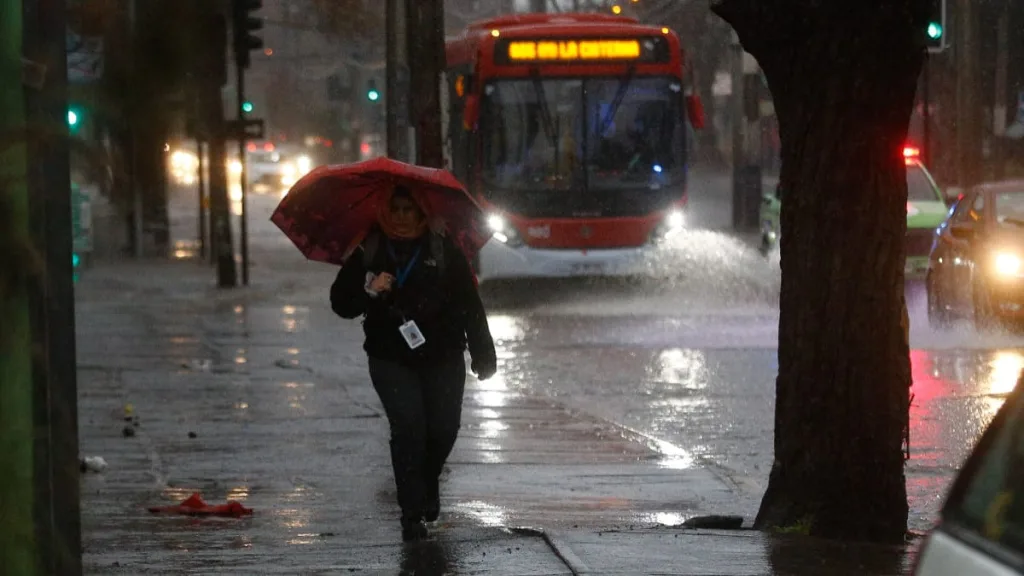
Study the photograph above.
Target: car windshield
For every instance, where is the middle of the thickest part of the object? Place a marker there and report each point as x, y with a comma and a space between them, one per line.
920, 187
1009, 209
535, 133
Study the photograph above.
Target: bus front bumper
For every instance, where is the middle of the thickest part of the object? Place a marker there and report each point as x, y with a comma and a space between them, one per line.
499, 261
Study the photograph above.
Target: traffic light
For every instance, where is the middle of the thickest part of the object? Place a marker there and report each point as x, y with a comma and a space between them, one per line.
244, 24
75, 118
935, 26
372, 94
247, 106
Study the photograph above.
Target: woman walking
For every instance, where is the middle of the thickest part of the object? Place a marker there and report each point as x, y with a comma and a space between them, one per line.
422, 309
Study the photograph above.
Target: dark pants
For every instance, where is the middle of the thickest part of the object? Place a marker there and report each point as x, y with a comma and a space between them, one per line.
424, 408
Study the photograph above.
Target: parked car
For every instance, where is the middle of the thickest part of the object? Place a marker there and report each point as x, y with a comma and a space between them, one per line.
926, 209
981, 526
976, 268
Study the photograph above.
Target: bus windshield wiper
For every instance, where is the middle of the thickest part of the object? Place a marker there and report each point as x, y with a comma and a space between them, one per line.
545, 111
620, 95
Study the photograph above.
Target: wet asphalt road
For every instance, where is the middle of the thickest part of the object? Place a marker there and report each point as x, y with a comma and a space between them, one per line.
690, 362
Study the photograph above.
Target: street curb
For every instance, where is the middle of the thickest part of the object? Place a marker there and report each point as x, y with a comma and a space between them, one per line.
739, 483
559, 546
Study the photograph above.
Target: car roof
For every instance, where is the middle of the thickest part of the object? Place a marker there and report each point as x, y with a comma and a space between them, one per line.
1001, 187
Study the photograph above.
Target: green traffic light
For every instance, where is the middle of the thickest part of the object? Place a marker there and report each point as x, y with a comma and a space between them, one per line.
75, 260
72, 118
246, 107
373, 95
934, 30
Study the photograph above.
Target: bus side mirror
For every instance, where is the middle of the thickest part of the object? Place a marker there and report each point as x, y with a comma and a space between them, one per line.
695, 111
471, 112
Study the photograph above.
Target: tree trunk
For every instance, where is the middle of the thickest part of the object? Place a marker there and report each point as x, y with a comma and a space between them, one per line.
843, 77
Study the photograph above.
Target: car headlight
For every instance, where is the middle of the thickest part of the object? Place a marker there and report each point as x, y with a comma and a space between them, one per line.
304, 164
235, 167
182, 160
289, 174
1007, 264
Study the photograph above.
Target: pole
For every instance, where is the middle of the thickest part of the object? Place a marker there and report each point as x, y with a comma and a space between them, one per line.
999, 107
738, 133
215, 32
17, 540
55, 409
244, 240
201, 180
425, 26
137, 204
968, 127
396, 101
926, 113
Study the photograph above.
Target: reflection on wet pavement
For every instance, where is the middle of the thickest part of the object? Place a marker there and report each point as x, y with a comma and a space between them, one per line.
716, 402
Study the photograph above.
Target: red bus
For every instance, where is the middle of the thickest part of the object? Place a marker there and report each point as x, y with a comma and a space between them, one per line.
571, 129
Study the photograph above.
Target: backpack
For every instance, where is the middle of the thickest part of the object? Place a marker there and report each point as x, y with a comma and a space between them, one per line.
371, 245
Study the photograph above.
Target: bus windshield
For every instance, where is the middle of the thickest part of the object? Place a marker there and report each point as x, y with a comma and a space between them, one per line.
553, 134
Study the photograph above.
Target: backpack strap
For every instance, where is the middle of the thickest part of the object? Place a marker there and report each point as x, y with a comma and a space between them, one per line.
437, 251
370, 246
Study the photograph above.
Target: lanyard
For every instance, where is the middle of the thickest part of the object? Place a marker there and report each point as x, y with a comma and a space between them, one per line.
402, 275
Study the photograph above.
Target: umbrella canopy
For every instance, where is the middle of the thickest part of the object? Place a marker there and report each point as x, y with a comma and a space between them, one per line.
329, 211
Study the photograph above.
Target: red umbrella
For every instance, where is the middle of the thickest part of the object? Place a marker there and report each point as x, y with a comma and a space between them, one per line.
329, 211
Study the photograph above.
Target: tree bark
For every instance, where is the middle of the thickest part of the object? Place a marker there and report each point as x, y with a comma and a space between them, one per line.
843, 77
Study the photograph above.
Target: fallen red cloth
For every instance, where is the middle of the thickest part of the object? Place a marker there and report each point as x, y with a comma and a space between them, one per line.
195, 506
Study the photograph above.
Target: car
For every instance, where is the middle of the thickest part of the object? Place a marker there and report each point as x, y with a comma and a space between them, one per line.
980, 531
975, 268
927, 207
273, 168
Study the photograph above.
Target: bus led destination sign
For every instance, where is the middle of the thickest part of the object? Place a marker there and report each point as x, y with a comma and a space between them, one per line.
522, 51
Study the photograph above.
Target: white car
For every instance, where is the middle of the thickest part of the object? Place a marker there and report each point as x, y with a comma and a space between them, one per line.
981, 526
275, 168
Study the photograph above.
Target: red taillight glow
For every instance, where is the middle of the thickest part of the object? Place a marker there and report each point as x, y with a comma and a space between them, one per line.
911, 152
251, 147
365, 148
269, 147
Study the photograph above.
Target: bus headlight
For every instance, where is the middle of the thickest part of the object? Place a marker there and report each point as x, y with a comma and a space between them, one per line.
1007, 264
672, 225
496, 223
502, 232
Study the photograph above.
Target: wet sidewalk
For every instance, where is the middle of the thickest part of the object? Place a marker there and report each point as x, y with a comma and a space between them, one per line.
261, 395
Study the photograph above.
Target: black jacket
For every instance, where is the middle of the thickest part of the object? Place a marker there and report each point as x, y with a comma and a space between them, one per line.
446, 307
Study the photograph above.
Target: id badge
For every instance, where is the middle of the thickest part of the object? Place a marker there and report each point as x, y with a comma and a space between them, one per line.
413, 337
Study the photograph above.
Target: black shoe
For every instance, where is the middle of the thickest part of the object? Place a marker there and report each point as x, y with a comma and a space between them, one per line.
432, 501
413, 530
